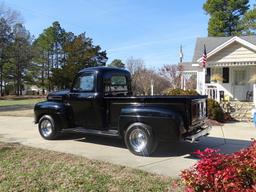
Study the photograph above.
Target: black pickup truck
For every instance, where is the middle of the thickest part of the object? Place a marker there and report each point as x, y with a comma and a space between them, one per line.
101, 102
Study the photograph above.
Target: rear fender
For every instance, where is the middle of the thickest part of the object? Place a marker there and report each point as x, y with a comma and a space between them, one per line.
166, 124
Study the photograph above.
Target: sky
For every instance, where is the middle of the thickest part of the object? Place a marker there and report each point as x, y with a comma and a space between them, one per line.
146, 29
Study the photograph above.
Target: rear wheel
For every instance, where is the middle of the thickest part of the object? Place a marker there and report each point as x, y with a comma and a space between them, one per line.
140, 139
47, 128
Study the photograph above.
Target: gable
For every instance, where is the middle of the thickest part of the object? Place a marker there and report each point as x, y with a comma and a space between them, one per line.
234, 52
215, 44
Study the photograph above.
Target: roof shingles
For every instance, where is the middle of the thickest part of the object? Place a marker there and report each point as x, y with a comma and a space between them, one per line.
213, 42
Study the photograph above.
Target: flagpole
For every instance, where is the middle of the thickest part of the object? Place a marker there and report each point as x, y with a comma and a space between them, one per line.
204, 62
204, 86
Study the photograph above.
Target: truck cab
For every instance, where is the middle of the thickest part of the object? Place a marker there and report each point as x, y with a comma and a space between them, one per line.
101, 102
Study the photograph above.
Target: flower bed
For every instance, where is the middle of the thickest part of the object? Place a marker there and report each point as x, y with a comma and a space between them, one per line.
219, 172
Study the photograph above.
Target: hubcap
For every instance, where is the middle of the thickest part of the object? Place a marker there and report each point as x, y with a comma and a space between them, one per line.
138, 140
46, 127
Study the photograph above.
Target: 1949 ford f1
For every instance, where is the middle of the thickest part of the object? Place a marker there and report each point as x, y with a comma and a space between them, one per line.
101, 102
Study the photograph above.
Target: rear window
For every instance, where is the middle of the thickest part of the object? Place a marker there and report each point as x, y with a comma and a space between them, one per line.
118, 80
118, 84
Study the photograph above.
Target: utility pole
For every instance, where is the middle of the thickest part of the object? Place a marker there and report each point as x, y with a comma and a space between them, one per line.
152, 87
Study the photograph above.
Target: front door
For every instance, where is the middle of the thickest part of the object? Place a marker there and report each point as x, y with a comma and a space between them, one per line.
82, 100
240, 84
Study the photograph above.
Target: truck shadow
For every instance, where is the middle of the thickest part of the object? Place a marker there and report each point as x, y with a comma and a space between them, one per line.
175, 149
96, 139
186, 149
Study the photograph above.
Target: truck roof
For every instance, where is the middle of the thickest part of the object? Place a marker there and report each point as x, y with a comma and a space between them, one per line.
104, 69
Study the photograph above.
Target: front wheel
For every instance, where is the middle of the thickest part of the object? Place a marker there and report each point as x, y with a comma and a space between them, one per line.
47, 128
140, 139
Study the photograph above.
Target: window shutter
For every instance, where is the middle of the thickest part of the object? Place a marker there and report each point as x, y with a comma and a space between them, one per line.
225, 74
208, 75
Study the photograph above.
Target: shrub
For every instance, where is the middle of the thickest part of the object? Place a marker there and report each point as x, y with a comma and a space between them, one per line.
171, 91
214, 110
224, 173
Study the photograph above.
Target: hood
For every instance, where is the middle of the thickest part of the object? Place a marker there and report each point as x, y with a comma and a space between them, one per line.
58, 95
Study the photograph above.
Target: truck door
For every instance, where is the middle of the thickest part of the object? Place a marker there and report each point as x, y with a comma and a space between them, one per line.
81, 100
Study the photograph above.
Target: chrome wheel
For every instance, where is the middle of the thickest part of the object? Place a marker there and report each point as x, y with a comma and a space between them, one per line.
138, 140
46, 127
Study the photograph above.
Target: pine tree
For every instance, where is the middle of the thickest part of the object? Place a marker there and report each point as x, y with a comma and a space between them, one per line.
225, 16
117, 63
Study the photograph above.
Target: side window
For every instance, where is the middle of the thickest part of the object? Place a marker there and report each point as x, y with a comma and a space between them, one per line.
84, 83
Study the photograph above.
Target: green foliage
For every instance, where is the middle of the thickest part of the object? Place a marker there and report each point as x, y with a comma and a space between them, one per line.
19, 57
225, 16
61, 54
117, 63
249, 22
171, 91
80, 53
214, 110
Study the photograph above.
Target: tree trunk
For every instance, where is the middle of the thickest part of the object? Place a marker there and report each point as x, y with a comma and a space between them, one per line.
1, 80
48, 71
43, 77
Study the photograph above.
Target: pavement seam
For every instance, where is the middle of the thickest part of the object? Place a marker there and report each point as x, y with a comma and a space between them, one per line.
155, 162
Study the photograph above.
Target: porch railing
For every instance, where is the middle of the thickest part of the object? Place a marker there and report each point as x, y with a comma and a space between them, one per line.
212, 92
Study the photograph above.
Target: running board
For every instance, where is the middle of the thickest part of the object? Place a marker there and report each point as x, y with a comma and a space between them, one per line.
111, 133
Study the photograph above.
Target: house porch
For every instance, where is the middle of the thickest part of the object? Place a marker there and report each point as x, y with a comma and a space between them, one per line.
235, 82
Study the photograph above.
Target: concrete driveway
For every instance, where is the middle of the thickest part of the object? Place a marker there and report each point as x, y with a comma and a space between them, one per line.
169, 160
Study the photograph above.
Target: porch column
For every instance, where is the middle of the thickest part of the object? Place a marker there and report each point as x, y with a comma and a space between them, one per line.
254, 94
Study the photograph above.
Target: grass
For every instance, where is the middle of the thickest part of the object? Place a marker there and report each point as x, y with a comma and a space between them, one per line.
29, 169
19, 102
18, 113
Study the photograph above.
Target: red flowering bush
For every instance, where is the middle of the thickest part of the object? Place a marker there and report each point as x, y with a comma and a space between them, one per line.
214, 171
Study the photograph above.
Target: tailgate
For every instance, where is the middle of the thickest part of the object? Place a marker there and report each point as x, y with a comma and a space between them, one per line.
198, 112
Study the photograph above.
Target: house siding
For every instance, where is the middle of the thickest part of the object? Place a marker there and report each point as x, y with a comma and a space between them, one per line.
233, 53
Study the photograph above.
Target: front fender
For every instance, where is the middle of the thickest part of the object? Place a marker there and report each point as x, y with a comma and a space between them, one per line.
57, 110
166, 123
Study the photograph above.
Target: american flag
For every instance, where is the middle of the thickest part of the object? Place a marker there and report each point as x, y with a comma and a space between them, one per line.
204, 58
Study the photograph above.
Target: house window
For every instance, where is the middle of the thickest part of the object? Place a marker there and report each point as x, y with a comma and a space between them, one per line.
240, 77
208, 75
216, 75
225, 74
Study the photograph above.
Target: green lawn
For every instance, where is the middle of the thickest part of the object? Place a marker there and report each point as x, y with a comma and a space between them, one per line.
20, 102
29, 169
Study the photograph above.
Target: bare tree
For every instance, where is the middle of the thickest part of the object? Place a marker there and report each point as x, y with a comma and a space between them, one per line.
173, 74
11, 16
142, 77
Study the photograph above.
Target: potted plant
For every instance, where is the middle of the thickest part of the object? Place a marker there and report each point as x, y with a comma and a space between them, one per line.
216, 78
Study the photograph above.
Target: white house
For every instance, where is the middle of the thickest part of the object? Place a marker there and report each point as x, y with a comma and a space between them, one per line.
231, 67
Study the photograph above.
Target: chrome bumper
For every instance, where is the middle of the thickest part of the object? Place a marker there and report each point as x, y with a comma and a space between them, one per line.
204, 131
